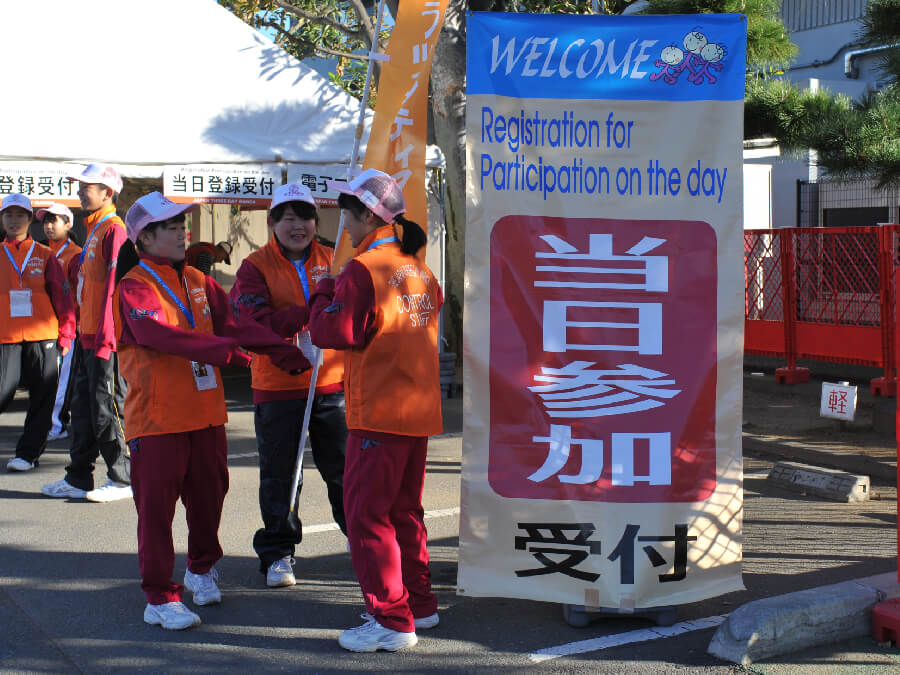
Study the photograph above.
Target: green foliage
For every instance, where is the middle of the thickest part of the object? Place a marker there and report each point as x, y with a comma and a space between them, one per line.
852, 139
339, 29
769, 47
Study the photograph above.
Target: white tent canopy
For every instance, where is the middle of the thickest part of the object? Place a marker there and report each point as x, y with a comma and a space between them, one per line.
141, 84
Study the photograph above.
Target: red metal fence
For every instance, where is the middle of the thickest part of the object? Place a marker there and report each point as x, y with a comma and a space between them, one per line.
825, 294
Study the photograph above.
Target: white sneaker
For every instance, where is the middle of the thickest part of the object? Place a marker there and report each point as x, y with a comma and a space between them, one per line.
19, 464
63, 488
372, 636
427, 622
281, 573
111, 491
423, 623
171, 616
203, 586
57, 435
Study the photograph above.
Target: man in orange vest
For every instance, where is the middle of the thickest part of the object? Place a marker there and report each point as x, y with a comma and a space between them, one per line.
36, 314
272, 287
383, 312
99, 390
57, 221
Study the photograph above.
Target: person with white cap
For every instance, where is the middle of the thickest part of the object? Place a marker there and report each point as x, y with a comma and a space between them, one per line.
99, 390
57, 222
174, 329
383, 312
36, 316
272, 287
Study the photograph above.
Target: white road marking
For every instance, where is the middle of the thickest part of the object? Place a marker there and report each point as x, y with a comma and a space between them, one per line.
243, 455
328, 527
619, 639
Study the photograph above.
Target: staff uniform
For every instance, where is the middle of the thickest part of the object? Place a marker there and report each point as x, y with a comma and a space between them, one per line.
383, 311
65, 252
29, 337
99, 389
274, 291
174, 425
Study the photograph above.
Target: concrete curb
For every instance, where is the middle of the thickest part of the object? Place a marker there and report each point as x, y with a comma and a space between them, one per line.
796, 621
856, 464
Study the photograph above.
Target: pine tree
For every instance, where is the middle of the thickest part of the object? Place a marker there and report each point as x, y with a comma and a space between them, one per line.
853, 138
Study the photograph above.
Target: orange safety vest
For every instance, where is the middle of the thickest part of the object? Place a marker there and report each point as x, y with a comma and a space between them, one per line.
393, 384
162, 395
94, 269
285, 290
64, 251
42, 324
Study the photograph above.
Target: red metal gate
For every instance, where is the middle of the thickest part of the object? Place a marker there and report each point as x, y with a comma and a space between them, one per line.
825, 294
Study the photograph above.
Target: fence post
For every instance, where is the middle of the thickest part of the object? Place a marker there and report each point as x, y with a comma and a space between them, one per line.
791, 374
887, 385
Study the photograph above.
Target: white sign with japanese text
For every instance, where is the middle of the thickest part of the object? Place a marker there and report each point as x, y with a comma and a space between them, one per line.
248, 185
838, 401
603, 325
42, 182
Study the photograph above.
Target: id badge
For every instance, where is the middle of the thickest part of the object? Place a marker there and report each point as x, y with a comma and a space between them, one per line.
204, 376
80, 289
20, 303
310, 351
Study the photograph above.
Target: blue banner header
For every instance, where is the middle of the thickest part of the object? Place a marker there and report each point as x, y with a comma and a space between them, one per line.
677, 57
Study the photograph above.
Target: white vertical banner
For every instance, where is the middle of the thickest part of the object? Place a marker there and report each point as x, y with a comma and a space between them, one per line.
604, 309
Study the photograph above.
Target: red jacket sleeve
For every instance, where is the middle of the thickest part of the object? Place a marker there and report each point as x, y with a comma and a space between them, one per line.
105, 339
61, 298
342, 310
142, 326
250, 334
250, 297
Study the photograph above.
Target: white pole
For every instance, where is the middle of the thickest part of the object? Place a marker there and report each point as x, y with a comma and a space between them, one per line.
357, 139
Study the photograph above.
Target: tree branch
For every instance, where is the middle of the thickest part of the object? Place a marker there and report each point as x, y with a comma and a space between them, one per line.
363, 33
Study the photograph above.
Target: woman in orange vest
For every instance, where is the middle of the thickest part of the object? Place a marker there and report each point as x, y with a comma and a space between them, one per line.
174, 328
36, 315
57, 221
273, 287
383, 311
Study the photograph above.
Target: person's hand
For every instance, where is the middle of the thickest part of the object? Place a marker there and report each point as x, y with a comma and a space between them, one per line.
290, 360
63, 350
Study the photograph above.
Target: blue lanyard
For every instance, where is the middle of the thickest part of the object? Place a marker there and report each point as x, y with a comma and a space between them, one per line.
379, 242
301, 272
63, 247
91, 235
24, 263
184, 310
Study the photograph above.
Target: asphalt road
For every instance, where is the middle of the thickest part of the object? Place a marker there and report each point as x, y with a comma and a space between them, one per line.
70, 599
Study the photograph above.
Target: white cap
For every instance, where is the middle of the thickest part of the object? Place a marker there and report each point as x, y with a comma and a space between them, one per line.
152, 208
292, 192
16, 199
103, 174
377, 190
57, 209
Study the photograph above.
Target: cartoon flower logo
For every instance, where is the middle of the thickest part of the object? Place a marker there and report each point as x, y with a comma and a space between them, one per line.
699, 59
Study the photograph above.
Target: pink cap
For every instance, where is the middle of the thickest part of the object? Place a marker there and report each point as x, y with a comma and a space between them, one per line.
292, 192
16, 199
58, 209
152, 208
377, 190
103, 174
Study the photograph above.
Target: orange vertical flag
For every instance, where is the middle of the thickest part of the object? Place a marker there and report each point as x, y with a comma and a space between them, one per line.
399, 131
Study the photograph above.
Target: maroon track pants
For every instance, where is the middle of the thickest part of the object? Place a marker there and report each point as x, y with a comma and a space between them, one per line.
384, 476
191, 465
